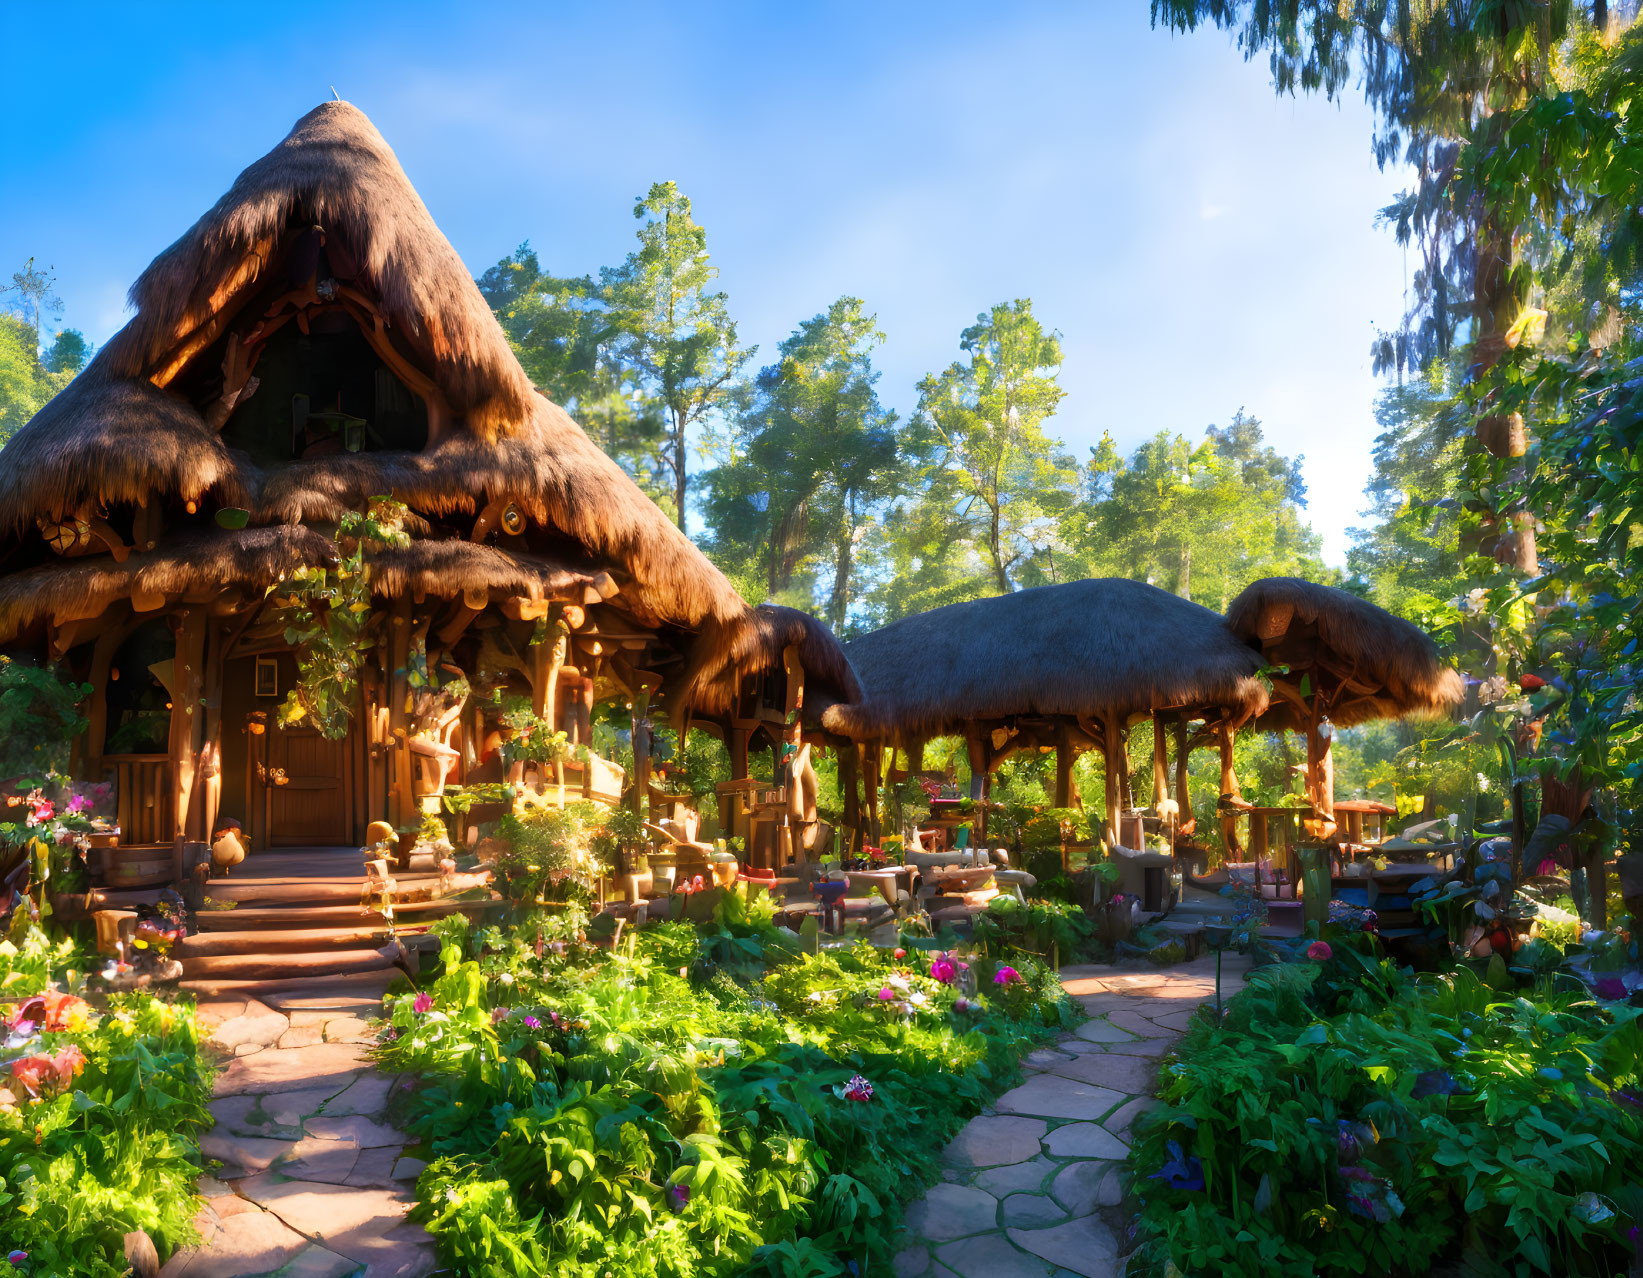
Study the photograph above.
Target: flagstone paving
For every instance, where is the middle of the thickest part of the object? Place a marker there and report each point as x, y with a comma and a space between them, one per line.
314, 1182
1032, 1188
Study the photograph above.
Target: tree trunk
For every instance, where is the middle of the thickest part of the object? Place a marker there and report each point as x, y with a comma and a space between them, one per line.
838, 604
993, 539
679, 475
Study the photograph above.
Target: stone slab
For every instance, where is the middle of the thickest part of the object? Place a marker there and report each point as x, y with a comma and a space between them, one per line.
1052, 1096
992, 1140
1016, 1178
1031, 1211
362, 1131
293, 1069
1081, 1187
1133, 1075
242, 1155
256, 1025
327, 1211
1103, 1031
952, 1211
990, 1256
1084, 1246
250, 1243
1083, 1140
367, 1094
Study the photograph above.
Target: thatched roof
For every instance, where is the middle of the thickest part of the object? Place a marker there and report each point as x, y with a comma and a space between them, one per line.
1105, 648
106, 440
447, 567
757, 642
82, 588
254, 559
1367, 663
114, 437
335, 171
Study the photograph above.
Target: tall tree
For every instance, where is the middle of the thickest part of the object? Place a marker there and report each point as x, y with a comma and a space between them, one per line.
1202, 520
810, 456
563, 332
676, 336
999, 481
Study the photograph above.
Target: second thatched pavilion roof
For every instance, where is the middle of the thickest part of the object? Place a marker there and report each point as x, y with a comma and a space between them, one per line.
1105, 649
1362, 661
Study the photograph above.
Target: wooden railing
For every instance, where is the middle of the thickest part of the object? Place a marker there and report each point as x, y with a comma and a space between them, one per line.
142, 784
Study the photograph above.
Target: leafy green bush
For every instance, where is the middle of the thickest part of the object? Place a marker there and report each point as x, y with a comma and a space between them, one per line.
98, 1119
696, 1103
1351, 1118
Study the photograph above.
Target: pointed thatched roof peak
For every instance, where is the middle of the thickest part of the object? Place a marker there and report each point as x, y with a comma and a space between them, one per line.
333, 171
144, 422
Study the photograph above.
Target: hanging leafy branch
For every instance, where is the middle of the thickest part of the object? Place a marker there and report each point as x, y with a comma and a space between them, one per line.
326, 612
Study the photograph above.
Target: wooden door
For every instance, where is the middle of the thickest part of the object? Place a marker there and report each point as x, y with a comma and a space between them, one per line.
306, 788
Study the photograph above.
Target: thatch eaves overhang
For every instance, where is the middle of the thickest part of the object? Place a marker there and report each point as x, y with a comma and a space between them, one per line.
1359, 662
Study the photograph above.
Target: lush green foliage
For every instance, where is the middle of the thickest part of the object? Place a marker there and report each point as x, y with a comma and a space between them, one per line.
98, 1119
326, 612
39, 718
689, 1104
1349, 1118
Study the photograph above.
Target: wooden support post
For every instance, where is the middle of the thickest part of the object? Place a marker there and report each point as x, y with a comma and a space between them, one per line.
1229, 787
187, 673
1320, 778
874, 762
1183, 799
102, 661
211, 737
915, 757
401, 795
1063, 771
641, 746
1113, 752
849, 757
1160, 761
975, 746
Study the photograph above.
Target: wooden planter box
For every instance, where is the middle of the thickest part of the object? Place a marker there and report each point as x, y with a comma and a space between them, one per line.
142, 865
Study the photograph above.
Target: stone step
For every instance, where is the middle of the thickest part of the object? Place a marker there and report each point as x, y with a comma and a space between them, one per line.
308, 890
263, 966
271, 916
315, 940
359, 992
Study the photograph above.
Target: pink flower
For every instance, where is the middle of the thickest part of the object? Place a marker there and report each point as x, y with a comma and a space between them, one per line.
678, 1196
532, 1023
886, 994
1319, 950
858, 1089
16, 1257
1005, 975
942, 970
77, 803
424, 1002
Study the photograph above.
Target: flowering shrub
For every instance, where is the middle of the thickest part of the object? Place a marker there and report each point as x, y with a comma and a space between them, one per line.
699, 1101
98, 1115
1349, 1118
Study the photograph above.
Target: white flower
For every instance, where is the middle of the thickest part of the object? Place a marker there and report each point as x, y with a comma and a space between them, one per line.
897, 982
506, 978
918, 999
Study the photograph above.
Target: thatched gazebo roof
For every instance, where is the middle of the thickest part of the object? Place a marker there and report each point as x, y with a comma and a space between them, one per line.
143, 423
1104, 649
757, 642
1361, 660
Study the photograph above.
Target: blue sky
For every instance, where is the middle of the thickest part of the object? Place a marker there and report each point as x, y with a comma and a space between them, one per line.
1201, 244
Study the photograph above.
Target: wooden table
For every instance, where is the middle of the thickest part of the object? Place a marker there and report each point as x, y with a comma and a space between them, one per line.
1355, 810
884, 880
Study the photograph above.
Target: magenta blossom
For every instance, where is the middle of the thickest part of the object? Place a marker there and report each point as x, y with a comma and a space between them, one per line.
858, 1089
532, 1023
942, 970
1005, 976
678, 1196
16, 1257
1319, 950
424, 1002
886, 994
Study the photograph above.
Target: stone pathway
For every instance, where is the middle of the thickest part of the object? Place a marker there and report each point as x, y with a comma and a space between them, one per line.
1032, 1186
314, 1183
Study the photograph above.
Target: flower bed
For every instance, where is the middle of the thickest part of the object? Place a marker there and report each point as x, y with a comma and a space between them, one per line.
713, 1101
1349, 1118
98, 1115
